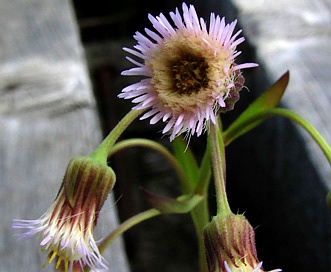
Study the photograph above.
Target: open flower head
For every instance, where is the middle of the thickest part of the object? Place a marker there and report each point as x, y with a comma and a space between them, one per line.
189, 71
66, 229
230, 245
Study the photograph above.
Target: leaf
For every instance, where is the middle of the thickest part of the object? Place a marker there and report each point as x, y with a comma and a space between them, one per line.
268, 100
204, 176
187, 161
328, 200
182, 204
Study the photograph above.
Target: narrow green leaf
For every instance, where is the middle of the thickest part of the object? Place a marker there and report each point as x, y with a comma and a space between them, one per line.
182, 204
187, 161
204, 176
328, 200
268, 100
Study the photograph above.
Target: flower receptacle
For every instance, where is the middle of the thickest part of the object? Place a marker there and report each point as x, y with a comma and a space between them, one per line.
87, 181
230, 239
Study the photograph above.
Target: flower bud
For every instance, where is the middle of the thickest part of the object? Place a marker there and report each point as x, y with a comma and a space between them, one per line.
233, 94
230, 245
66, 229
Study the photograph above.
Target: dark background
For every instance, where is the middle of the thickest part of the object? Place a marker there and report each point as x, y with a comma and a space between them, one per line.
269, 175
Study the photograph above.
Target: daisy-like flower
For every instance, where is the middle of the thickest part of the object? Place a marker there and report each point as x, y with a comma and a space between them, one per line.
66, 229
230, 245
189, 71
258, 268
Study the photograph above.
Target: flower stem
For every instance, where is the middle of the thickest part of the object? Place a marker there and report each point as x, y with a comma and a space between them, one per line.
200, 217
157, 147
317, 137
218, 166
140, 217
101, 153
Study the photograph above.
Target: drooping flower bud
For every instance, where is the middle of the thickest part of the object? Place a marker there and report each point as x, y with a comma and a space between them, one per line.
230, 245
66, 229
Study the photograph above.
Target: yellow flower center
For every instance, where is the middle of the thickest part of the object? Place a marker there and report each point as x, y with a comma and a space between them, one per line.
189, 73
189, 70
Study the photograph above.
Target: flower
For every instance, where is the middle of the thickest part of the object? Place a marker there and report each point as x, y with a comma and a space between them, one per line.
66, 229
256, 269
230, 245
190, 71
228, 269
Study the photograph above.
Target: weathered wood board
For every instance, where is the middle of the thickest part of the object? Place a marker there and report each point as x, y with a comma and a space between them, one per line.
296, 36
288, 174
47, 116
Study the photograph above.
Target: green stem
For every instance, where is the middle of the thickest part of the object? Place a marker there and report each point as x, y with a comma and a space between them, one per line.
203, 266
101, 153
218, 166
200, 217
204, 174
140, 217
200, 213
290, 115
308, 127
158, 147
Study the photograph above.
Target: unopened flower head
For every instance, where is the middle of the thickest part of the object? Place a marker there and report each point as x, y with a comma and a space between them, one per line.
230, 245
66, 229
189, 68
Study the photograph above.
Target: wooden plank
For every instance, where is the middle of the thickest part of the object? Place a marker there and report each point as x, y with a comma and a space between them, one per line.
295, 36
270, 174
285, 185
47, 116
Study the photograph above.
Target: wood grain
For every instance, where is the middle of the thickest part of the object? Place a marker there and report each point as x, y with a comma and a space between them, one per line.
288, 175
47, 116
296, 36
